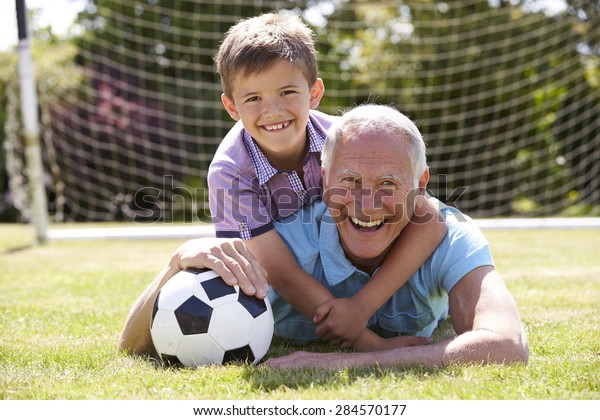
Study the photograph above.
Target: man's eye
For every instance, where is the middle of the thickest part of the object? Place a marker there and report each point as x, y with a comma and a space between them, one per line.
349, 180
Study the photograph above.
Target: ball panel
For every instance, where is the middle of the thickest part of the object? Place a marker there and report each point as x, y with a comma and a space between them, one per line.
193, 316
253, 305
262, 334
176, 291
154, 309
165, 332
216, 288
171, 360
231, 326
241, 354
198, 350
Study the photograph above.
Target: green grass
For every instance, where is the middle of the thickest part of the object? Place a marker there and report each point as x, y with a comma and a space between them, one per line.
63, 306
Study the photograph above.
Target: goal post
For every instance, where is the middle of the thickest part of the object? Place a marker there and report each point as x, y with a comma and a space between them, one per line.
31, 131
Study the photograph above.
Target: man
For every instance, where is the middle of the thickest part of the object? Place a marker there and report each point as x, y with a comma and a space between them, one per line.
374, 173
373, 163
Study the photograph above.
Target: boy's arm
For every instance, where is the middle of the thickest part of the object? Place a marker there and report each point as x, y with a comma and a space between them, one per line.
294, 285
413, 247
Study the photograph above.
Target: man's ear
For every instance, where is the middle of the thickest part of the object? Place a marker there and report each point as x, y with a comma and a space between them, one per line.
229, 106
316, 93
423, 181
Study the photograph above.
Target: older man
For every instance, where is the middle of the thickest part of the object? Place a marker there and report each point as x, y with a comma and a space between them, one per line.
374, 173
374, 167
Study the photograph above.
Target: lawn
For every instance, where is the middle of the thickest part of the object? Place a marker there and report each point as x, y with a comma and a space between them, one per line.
63, 306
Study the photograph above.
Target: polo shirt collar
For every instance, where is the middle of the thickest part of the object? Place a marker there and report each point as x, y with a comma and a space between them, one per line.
336, 266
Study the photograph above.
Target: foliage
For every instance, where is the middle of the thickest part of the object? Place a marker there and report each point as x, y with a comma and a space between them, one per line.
527, 125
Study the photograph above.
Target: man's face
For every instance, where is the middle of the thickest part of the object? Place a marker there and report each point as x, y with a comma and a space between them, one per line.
370, 190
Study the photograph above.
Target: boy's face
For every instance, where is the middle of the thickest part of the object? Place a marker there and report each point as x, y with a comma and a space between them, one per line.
274, 107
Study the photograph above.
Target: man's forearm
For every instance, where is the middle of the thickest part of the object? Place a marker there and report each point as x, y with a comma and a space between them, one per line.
135, 337
479, 346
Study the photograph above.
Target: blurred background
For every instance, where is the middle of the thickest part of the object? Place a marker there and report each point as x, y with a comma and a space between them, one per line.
506, 94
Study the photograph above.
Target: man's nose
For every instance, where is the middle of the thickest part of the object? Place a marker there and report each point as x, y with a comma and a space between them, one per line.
367, 200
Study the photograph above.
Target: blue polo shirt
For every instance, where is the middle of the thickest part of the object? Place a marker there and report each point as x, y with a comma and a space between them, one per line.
415, 309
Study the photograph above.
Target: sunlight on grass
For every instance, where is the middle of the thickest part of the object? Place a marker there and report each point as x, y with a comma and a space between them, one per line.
64, 305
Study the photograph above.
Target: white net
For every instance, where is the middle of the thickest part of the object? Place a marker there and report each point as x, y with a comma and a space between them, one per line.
507, 98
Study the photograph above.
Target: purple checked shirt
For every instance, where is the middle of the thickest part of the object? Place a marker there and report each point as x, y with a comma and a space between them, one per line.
246, 193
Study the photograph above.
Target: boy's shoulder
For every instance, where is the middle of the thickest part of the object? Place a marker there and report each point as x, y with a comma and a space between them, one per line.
322, 120
232, 149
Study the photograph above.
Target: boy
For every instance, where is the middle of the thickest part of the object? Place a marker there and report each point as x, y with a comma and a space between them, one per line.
266, 168
269, 166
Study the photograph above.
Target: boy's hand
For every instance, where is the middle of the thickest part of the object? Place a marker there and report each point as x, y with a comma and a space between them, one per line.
340, 321
229, 258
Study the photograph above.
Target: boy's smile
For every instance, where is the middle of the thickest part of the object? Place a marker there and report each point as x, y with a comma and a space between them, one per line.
274, 107
277, 127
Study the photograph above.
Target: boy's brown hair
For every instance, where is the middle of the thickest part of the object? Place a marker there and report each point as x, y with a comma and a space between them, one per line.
253, 44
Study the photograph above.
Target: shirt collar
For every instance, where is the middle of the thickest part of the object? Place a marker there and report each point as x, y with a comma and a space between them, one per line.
263, 168
336, 266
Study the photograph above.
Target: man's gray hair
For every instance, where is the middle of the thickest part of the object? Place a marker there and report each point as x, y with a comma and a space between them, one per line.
381, 118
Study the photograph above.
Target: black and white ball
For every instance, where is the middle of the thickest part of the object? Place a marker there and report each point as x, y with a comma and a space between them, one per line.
200, 320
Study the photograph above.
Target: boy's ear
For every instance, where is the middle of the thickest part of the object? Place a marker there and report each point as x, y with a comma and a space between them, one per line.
316, 93
230, 107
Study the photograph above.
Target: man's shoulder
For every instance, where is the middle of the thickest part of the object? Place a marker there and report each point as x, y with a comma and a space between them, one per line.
463, 249
458, 222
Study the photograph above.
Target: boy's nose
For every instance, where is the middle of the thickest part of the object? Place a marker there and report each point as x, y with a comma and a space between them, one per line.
272, 108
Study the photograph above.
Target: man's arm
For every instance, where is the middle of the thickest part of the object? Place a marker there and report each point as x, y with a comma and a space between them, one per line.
483, 314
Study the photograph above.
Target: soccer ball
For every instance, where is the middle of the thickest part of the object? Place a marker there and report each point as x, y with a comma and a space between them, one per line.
198, 319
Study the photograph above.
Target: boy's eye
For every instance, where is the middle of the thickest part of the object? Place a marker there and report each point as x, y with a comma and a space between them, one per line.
252, 99
288, 92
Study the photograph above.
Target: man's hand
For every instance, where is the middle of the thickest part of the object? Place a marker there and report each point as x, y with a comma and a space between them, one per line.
340, 321
229, 258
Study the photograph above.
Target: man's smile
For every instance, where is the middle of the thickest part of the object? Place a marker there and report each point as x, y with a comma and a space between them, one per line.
367, 226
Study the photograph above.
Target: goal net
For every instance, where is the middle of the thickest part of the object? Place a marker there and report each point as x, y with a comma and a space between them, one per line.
506, 94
